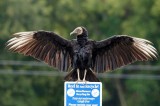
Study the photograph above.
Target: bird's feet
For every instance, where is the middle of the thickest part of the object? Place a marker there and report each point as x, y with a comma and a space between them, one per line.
78, 81
85, 81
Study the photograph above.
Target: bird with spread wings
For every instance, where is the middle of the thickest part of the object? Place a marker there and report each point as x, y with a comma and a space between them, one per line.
84, 56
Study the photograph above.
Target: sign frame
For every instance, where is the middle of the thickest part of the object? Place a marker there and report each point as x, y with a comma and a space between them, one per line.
74, 90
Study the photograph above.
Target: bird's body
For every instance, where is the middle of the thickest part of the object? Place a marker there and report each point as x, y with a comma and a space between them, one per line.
81, 60
82, 55
85, 57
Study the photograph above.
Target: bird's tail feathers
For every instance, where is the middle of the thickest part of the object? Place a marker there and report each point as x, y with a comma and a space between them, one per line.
91, 76
71, 76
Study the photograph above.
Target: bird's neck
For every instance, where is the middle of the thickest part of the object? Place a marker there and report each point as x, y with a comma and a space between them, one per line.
82, 40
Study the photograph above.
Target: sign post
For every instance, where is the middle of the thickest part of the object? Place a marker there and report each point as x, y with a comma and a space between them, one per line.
83, 94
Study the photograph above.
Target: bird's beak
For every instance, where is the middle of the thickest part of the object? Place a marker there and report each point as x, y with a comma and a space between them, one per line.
73, 33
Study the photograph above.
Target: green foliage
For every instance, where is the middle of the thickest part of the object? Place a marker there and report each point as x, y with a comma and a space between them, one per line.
103, 18
144, 93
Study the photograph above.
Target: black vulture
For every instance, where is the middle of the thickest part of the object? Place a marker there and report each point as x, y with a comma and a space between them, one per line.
85, 57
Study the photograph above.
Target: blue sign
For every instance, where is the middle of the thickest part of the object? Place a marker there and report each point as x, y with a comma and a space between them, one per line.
83, 94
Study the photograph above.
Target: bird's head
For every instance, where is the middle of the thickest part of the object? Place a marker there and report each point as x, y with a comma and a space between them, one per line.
80, 31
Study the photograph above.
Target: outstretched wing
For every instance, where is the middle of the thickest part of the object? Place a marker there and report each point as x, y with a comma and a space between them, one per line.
121, 50
43, 45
